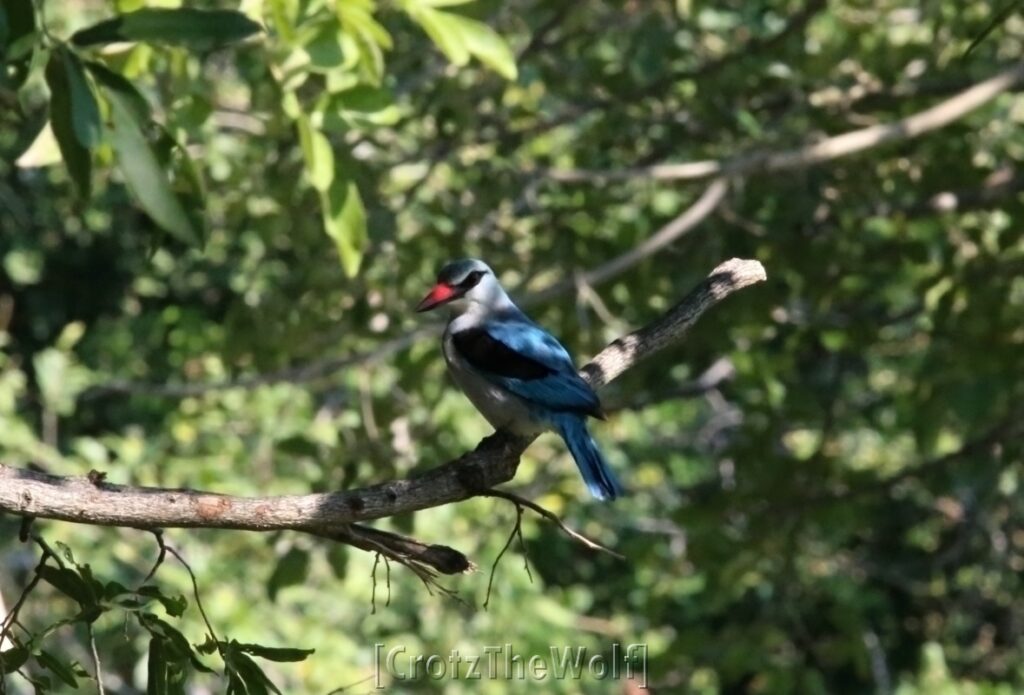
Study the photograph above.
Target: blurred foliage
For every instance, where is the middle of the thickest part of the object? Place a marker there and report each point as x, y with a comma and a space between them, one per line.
201, 224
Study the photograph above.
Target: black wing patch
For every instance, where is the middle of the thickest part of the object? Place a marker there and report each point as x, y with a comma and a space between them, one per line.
489, 355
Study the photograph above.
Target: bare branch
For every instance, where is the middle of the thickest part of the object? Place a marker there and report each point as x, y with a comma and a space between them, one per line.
12, 617
335, 514
553, 518
689, 219
97, 665
938, 116
517, 530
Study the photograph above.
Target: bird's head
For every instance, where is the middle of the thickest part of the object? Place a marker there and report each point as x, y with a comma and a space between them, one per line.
462, 284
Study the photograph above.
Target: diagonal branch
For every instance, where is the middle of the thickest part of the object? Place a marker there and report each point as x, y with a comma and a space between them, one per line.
677, 227
91, 500
933, 118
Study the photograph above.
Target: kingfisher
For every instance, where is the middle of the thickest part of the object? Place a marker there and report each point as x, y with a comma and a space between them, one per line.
518, 375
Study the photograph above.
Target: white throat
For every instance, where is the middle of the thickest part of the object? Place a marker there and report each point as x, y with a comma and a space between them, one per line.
481, 303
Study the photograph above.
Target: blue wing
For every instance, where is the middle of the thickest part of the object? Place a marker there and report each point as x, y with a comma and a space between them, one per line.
524, 359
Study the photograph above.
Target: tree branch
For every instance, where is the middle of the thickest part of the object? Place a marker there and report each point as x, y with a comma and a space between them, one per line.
677, 227
335, 515
933, 118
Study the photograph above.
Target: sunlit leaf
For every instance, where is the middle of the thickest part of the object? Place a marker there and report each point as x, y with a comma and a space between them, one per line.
445, 31
488, 47
345, 222
460, 37
316, 149
362, 106
323, 46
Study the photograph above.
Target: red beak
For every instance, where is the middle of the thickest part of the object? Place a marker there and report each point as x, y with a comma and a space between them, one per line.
441, 294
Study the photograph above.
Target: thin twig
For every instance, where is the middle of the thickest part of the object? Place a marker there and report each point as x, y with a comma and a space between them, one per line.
159, 535
522, 543
373, 587
504, 549
11, 618
195, 593
100, 690
553, 518
346, 688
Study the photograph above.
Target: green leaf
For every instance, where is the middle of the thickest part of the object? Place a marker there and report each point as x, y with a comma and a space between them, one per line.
460, 37
186, 26
96, 588
208, 647
365, 37
65, 551
358, 19
284, 19
76, 156
345, 222
142, 171
113, 81
13, 659
316, 149
174, 605
361, 107
114, 589
254, 681
57, 667
156, 668
444, 30
275, 653
85, 112
177, 647
292, 568
322, 45
488, 47
68, 582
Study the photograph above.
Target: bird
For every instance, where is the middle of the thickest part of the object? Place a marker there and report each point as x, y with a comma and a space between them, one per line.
518, 375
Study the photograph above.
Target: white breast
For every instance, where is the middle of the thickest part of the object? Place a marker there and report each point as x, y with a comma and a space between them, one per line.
502, 409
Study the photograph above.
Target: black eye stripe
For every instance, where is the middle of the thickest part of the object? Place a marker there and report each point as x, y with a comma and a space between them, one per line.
472, 279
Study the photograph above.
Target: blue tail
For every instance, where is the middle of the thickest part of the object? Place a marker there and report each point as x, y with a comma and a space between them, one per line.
596, 473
